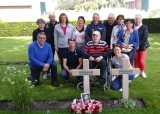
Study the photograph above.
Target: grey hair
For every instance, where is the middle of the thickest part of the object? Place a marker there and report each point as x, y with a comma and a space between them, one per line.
41, 33
95, 14
40, 20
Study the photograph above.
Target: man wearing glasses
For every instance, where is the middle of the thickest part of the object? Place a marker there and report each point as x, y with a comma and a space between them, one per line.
41, 62
72, 59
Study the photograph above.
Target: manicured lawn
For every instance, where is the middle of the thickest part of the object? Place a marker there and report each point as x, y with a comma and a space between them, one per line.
14, 49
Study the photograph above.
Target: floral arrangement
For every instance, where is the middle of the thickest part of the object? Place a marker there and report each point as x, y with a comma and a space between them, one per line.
80, 107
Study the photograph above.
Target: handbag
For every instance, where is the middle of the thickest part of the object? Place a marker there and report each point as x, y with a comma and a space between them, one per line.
127, 50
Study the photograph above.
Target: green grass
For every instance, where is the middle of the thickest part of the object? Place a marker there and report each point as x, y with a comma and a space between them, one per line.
147, 89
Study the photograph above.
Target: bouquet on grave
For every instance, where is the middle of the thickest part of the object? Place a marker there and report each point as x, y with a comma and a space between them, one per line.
79, 107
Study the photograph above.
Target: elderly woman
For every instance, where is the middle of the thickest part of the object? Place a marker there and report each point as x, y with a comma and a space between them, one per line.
129, 39
116, 30
139, 61
79, 33
62, 32
41, 28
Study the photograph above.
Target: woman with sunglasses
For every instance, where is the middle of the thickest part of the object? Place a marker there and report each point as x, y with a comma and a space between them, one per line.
117, 62
129, 40
116, 30
79, 33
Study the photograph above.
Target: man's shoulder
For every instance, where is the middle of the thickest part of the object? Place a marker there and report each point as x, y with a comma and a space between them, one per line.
89, 43
47, 44
33, 44
102, 42
78, 50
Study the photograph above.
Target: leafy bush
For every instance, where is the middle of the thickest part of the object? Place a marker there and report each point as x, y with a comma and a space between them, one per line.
20, 89
126, 103
26, 28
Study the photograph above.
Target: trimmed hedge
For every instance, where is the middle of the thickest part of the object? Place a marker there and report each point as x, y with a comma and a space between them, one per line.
9, 29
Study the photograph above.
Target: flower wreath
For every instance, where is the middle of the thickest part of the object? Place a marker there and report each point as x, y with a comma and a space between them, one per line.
80, 107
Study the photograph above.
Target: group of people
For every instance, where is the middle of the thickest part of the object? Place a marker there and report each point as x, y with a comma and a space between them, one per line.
96, 41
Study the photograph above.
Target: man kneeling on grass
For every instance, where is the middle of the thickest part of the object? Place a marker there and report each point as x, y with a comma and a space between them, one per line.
72, 59
41, 59
97, 52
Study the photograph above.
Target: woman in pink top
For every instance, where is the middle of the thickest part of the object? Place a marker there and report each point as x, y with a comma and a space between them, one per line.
79, 33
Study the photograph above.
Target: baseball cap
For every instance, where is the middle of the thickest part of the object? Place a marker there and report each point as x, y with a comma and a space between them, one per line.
96, 32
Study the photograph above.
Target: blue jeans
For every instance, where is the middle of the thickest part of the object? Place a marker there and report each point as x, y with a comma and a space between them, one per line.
117, 84
81, 48
36, 72
66, 75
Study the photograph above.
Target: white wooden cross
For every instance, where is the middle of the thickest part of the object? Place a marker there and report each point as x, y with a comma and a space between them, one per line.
86, 72
125, 71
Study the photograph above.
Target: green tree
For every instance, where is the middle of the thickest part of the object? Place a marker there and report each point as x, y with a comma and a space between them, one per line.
67, 4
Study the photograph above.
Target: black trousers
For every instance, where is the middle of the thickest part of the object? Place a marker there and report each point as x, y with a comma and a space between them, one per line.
36, 72
100, 65
60, 53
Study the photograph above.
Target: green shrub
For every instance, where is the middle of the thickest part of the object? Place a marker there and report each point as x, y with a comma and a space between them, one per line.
8, 29
20, 89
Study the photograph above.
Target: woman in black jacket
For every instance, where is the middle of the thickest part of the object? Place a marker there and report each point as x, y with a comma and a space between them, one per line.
142, 29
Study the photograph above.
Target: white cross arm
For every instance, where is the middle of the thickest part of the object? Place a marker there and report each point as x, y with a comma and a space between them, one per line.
125, 71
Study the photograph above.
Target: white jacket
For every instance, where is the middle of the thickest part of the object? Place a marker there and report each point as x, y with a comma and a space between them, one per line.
114, 35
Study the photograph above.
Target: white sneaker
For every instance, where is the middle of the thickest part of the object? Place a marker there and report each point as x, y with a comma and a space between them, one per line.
136, 75
113, 77
44, 76
143, 75
120, 89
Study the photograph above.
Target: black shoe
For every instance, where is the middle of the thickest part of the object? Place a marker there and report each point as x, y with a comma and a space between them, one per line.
56, 84
30, 78
36, 83
67, 81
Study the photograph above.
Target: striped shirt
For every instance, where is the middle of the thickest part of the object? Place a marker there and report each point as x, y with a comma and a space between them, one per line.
96, 50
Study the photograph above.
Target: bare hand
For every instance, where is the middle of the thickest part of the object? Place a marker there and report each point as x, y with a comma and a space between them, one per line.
46, 65
45, 69
91, 58
98, 59
70, 72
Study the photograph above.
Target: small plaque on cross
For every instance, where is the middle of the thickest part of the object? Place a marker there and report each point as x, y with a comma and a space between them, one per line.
86, 72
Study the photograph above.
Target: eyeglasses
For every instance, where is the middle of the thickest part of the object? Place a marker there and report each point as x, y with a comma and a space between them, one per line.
71, 39
42, 38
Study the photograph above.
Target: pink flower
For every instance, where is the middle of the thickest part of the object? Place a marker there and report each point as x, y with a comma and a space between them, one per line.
86, 107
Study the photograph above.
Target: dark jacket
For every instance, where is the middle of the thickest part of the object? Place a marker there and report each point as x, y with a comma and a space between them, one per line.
143, 38
109, 31
46, 31
91, 27
51, 27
